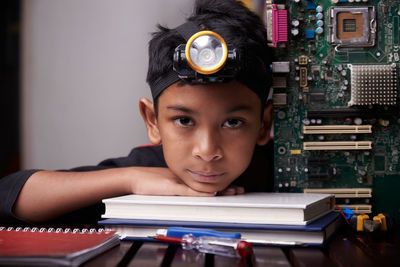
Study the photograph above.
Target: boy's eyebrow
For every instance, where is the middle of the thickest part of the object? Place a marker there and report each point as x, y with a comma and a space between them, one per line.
182, 109
230, 110
240, 108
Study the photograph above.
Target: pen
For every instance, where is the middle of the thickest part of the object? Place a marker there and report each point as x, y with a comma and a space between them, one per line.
231, 247
196, 232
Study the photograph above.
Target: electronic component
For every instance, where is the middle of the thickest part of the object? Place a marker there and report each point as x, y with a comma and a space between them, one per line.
338, 145
281, 67
279, 99
373, 85
275, 20
352, 26
310, 34
279, 82
337, 129
303, 77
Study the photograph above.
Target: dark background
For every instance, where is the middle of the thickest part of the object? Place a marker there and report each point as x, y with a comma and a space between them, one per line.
10, 32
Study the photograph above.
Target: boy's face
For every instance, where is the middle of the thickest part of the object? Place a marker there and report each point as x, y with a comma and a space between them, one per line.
209, 132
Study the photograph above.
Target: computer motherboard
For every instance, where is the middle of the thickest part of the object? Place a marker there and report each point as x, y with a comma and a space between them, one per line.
336, 100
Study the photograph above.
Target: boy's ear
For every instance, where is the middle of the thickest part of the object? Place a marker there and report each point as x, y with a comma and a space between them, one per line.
265, 130
146, 108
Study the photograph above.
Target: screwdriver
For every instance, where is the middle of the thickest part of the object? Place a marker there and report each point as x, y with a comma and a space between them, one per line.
230, 247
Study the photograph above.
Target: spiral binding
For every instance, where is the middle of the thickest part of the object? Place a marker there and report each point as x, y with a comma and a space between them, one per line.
55, 230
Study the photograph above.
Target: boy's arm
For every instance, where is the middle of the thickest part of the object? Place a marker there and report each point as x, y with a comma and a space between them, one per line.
49, 194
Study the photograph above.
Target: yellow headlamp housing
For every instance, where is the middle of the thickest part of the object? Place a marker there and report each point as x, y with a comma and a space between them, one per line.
206, 52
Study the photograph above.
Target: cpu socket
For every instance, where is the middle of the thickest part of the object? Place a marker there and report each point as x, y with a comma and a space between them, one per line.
352, 26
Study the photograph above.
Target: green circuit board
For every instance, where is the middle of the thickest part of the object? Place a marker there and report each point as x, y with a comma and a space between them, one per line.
336, 102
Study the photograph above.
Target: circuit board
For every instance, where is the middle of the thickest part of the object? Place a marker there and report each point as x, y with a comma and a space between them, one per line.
336, 100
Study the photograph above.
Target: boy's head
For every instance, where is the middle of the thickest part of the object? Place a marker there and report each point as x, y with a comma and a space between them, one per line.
209, 130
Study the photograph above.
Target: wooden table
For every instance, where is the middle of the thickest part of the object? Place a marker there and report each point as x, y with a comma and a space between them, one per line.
345, 249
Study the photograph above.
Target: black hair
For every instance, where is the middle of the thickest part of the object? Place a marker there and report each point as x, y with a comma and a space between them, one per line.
239, 27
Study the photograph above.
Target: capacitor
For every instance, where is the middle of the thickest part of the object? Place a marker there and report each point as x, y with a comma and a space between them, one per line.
321, 137
313, 121
294, 31
343, 73
319, 121
306, 122
320, 23
319, 30
296, 1
357, 121
353, 137
339, 67
319, 16
343, 87
319, 8
295, 22
384, 123
346, 82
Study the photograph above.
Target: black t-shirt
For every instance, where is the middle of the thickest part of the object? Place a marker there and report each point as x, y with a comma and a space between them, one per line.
257, 177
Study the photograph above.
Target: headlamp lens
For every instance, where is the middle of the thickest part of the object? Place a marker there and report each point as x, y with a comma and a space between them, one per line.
206, 52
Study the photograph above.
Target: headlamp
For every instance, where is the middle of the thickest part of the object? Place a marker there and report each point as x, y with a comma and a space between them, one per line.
206, 52
205, 58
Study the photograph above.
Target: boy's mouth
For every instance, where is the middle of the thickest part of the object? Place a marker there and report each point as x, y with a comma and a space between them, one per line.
206, 177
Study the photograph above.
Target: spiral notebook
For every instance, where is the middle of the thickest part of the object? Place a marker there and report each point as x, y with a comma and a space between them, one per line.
53, 247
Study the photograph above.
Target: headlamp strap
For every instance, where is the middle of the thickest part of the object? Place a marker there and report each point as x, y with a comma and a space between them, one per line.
187, 29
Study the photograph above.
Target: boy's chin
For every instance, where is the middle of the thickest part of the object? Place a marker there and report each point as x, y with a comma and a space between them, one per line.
208, 188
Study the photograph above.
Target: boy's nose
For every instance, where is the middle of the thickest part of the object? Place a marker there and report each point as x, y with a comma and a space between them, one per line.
207, 147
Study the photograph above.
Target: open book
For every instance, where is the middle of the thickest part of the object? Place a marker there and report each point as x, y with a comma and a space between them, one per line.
262, 208
44, 247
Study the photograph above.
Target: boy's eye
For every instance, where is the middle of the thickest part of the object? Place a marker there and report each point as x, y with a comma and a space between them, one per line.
233, 123
184, 121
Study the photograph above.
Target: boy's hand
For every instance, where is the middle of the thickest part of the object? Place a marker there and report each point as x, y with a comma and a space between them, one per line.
231, 190
161, 181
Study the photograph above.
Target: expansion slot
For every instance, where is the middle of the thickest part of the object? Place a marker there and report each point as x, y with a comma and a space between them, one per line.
337, 129
342, 192
341, 145
359, 209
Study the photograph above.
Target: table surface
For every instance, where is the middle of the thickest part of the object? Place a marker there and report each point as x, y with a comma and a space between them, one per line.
346, 248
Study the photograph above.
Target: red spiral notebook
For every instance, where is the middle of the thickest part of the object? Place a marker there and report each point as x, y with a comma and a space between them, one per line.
47, 247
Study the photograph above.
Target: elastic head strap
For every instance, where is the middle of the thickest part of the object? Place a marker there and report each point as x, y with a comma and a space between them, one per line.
186, 30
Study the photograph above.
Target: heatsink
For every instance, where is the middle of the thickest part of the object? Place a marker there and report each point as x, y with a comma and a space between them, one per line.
373, 85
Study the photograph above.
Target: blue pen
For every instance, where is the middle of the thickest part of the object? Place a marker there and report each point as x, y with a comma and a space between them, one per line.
196, 232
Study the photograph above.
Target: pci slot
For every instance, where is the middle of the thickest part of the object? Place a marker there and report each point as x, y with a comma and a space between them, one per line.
342, 192
339, 145
359, 209
337, 129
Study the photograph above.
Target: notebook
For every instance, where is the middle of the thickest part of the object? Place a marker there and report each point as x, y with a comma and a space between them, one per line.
313, 234
264, 208
50, 247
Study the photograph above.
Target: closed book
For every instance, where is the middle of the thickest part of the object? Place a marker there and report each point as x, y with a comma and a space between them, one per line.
264, 208
52, 248
314, 234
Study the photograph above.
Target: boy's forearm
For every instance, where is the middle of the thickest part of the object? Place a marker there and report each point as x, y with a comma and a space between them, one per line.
48, 194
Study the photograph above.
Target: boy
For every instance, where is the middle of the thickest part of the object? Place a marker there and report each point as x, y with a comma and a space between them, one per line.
204, 127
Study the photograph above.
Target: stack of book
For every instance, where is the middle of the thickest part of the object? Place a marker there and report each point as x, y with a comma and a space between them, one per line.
261, 218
